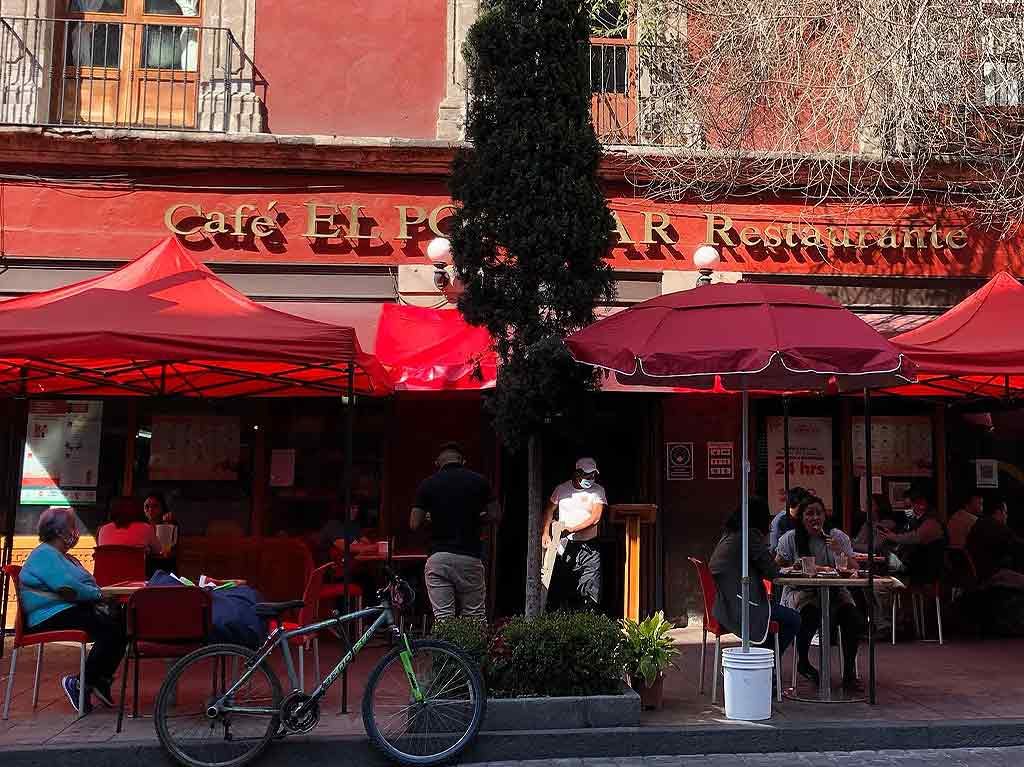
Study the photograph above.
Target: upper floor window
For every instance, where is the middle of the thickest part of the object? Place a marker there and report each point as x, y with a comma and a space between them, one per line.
1003, 57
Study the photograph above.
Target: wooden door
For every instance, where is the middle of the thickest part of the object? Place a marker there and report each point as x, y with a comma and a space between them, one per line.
128, 62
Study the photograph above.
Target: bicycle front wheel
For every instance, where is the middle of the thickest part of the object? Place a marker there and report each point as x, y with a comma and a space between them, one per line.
230, 739
426, 708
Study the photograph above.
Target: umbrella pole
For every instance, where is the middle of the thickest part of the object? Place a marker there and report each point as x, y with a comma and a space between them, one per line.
745, 523
785, 451
871, 550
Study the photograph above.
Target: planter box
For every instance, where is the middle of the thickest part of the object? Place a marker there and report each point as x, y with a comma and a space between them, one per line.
570, 713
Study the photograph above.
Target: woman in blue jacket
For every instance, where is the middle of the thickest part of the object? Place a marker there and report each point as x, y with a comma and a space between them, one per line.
57, 594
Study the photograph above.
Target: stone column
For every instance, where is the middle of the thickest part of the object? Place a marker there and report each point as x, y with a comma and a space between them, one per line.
451, 115
230, 86
27, 70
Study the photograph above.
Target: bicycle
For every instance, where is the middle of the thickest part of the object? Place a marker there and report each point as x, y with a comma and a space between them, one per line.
438, 705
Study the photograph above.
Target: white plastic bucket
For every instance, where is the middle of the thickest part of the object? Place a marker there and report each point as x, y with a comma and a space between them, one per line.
748, 683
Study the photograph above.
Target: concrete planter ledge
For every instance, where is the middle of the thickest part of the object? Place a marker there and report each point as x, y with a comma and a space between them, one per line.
572, 713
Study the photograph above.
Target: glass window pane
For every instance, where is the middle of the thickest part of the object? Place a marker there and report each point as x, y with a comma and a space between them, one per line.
96, 6
165, 46
172, 7
93, 44
608, 64
608, 19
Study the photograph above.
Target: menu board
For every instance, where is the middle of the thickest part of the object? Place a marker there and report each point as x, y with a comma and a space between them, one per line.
901, 446
62, 452
810, 458
195, 448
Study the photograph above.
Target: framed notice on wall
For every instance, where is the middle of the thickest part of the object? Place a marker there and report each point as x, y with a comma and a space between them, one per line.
720, 460
62, 452
810, 458
195, 448
679, 460
901, 446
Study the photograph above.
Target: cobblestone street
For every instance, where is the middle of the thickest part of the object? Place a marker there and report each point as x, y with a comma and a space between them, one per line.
973, 757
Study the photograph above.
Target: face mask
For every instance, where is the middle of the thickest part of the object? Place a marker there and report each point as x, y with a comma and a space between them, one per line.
586, 484
71, 539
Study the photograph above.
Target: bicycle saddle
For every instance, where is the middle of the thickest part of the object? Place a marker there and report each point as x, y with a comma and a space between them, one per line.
274, 609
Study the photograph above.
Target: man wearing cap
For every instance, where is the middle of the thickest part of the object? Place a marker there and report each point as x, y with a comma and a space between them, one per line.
456, 502
578, 504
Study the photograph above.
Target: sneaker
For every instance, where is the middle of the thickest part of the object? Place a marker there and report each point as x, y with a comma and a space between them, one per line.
102, 691
70, 686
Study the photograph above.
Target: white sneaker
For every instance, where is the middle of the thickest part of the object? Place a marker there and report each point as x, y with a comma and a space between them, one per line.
815, 642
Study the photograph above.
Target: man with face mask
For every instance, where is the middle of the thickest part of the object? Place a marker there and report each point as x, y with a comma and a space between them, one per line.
578, 504
455, 502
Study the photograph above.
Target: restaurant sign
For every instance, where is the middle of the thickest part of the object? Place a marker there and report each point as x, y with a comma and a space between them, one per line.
357, 221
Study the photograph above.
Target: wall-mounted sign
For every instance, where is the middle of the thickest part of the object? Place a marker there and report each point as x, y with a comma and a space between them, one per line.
901, 446
195, 448
986, 472
720, 460
679, 460
810, 458
62, 452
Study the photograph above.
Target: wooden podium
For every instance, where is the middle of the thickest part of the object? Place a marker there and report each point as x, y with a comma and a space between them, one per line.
632, 515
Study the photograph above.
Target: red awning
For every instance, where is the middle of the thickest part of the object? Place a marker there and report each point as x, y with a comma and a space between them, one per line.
434, 350
164, 324
974, 349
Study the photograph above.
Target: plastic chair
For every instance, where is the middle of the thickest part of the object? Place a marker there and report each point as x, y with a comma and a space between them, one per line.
115, 564
709, 590
919, 593
40, 640
163, 622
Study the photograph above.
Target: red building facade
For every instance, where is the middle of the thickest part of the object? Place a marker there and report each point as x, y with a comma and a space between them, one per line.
304, 156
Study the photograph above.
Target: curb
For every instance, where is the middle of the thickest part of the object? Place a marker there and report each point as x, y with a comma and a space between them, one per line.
732, 738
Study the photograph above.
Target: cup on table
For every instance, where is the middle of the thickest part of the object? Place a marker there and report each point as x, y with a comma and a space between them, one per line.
382, 547
809, 566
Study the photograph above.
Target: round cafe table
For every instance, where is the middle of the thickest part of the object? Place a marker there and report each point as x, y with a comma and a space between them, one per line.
824, 584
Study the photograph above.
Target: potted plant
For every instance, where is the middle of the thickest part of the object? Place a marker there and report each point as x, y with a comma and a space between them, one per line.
648, 650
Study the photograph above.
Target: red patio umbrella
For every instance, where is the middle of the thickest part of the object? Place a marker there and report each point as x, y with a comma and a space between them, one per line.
740, 337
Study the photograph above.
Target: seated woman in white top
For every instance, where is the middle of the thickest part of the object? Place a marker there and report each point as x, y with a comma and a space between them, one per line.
128, 527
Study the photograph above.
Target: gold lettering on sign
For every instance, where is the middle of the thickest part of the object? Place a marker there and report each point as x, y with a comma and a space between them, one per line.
216, 223
661, 228
404, 221
264, 225
718, 234
772, 236
169, 215
355, 212
750, 237
314, 219
620, 229
435, 216
956, 239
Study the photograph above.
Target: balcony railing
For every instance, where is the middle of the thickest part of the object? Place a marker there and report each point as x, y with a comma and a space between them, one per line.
634, 96
70, 72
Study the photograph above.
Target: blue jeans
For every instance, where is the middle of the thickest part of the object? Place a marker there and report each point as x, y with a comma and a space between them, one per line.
789, 626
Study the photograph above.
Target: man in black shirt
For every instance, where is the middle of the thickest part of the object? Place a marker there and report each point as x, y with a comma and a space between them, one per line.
455, 502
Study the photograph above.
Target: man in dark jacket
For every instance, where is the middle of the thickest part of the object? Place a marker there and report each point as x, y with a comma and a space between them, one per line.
456, 502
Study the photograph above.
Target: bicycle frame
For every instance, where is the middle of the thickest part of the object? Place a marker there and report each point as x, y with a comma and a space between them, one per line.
281, 638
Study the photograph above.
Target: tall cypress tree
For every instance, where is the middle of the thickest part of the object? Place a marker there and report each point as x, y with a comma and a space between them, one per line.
532, 225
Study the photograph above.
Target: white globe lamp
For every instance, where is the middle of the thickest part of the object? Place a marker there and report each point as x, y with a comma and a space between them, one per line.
705, 258
439, 251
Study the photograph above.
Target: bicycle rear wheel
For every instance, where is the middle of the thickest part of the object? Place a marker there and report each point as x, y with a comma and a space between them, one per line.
436, 724
198, 680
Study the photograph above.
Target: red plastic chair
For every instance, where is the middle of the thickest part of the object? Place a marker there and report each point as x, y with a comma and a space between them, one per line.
40, 639
163, 622
709, 589
116, 564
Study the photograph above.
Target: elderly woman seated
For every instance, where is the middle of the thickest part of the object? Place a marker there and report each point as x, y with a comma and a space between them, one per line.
58, 593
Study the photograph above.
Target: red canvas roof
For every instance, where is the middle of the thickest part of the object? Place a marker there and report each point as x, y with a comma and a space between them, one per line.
976, 348
165, 324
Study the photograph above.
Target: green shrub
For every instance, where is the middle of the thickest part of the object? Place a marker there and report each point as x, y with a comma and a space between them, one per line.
556, 654
470, 635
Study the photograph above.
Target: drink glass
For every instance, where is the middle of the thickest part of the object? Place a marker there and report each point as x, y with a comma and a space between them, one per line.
842, 563
809, 566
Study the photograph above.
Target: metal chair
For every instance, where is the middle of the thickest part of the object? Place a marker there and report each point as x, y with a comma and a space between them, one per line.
40, 640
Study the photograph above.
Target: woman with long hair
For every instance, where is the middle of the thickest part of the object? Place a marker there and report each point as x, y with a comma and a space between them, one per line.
127, 527
815, 537
726, 566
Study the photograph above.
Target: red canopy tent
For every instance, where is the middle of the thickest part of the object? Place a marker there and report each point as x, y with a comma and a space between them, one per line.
165, 325
976, 348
